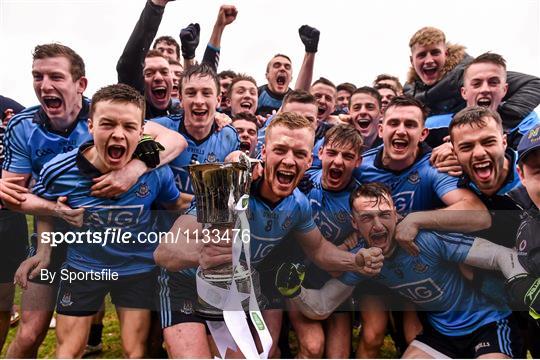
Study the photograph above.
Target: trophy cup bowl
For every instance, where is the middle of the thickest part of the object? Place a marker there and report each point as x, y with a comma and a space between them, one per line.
218, 187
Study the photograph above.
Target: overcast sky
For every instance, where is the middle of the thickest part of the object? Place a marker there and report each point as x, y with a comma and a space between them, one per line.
359, 38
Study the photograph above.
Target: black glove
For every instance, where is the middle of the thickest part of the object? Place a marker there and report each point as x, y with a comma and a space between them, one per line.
310, 38
289, 278
148, 151
524, 289
189, 38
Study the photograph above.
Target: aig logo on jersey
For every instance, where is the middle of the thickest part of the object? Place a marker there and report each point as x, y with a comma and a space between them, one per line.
422, 291
113, 215
143, 190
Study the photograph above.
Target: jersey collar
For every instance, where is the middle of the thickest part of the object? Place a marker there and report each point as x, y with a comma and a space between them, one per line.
85, 166
40, 117
182, 130
423, 147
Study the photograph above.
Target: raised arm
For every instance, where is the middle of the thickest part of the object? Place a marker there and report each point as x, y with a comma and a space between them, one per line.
226, 15
310, 39
131, 63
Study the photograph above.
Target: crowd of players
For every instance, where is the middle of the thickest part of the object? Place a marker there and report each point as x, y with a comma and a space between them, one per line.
422, 198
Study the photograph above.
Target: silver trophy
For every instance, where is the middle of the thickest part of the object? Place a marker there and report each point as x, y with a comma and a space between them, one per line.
218, 187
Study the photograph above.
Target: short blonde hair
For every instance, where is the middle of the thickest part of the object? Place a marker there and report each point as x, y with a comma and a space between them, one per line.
427, 36
291, 121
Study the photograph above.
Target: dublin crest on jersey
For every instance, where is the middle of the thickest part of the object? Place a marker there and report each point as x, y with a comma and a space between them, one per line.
143, 190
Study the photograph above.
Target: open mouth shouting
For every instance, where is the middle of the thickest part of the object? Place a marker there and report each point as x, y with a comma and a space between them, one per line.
334, 177
199, 114
285, 177
430, 71
363, 123
159, 92
246, 105
483, 170
281, 80
484, 102
400, 145
115, 153
378, 239
321, 110
52, 103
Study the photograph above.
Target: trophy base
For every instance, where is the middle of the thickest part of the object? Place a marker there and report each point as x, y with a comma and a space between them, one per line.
222, 277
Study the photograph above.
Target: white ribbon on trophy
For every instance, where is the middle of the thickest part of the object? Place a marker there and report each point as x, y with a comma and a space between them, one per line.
235, 329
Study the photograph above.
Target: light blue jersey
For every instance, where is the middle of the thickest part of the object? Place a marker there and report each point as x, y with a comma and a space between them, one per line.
330, 209
30, 142
419, 187
271, 223
432, 281
71, 175
213, 148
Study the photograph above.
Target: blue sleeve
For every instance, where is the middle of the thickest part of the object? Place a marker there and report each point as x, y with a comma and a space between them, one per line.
305, 221
231, 137
17, 157
442, 182
168, 192
51, 190
451, 247
166, 122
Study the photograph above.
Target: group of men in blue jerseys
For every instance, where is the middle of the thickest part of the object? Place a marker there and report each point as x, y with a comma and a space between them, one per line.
412, 208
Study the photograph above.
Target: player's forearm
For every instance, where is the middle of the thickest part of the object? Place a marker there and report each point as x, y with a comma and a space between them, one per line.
452, 220
487, 255
305, 76
34, 205
44, 224
178, 256
328, 257
173, 142
319, 304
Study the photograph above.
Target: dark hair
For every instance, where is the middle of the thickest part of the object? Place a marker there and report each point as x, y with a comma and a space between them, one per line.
486, 57
405, 100
299, 96
350, 88
368, 90
275, 56
77, 68
324, 81
474, 117
385, 86
119, 93
241, 77
382, 77
202, 70
244, 115
344, 135
169, 40
227, 74
155, 53
174, 62
375, 190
